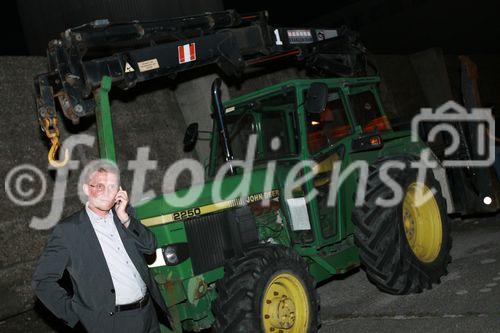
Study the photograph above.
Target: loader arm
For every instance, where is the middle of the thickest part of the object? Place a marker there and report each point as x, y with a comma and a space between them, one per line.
136, 51
139, 51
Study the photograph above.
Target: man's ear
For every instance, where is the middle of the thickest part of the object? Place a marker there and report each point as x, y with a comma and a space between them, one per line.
86, 189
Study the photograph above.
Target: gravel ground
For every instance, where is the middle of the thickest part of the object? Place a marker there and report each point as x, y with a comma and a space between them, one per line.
467, 300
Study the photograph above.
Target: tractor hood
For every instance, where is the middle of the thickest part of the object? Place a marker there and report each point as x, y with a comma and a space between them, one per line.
160, 210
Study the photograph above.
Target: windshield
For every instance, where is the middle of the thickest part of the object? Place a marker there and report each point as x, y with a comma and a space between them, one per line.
272, 118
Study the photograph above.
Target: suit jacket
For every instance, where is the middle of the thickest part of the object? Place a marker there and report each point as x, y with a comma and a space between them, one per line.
73, 246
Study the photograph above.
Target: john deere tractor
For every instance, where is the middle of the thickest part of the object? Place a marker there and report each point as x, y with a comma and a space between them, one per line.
250, 263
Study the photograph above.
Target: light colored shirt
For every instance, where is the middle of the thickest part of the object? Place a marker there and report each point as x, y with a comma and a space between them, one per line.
128, 284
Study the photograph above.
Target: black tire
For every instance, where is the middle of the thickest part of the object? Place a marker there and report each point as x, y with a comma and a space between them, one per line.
385, 252
240, 292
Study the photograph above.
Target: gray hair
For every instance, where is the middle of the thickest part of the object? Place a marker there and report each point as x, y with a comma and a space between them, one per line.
101, 165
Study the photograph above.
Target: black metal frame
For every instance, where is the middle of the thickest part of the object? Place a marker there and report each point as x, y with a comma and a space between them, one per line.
81, 58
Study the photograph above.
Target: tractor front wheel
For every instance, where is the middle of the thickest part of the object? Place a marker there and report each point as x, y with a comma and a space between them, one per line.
267, 290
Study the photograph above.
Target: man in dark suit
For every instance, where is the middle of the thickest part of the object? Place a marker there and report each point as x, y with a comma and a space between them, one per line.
102, 247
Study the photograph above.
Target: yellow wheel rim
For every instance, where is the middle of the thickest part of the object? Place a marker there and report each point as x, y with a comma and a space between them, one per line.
422, 222
285, 305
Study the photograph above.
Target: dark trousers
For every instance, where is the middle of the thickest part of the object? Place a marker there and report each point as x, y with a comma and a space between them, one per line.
142, 320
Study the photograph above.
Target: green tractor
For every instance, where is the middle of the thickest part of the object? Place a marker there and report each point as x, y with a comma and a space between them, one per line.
250, 263
245, 266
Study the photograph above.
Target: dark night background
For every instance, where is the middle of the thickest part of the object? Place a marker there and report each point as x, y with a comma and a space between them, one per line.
386, 26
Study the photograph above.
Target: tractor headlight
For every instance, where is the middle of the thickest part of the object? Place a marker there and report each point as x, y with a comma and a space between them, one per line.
170, 255
174, 254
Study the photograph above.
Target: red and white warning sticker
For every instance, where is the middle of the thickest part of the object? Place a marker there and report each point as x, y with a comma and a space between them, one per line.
187, 53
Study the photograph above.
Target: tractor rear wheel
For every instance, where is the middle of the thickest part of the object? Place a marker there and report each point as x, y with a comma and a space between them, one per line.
267, 290
404, 248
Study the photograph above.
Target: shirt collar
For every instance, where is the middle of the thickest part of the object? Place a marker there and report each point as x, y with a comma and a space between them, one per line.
96, 218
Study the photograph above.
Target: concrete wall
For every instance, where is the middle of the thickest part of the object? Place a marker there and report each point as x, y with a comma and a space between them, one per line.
265, 79
195, 100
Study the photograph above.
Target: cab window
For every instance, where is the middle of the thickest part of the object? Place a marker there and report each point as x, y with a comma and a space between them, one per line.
279, 133
276, 135
329, 126
240, 129
367, 112
270, 117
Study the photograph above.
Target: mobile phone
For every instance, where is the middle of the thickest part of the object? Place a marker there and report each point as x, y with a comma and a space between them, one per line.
118, 202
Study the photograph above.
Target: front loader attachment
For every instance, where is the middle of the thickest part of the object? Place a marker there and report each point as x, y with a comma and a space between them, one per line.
128, 53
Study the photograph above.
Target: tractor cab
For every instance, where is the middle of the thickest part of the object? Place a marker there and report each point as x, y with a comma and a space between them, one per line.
291, 123
301, 120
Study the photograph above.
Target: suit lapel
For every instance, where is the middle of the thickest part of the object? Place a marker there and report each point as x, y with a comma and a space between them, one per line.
94, 247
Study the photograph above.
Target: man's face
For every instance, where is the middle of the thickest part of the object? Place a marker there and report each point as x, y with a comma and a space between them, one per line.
101, 190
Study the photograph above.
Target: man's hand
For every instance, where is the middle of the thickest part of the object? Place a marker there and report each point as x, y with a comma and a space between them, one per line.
121, 202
